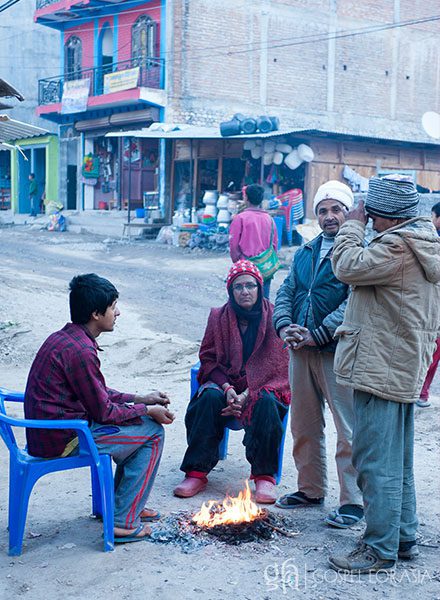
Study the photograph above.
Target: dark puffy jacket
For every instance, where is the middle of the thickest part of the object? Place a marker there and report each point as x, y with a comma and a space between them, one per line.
311, 296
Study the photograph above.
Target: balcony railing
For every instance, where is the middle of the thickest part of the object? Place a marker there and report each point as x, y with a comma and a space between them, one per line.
43, 3
50, 90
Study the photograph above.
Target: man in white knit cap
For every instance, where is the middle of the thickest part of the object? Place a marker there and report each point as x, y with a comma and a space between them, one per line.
309, 307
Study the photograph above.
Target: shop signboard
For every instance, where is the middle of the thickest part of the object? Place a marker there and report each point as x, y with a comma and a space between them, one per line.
75, 96
121, 80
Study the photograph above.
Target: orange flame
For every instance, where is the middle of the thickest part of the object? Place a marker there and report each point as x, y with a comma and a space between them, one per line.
232, 510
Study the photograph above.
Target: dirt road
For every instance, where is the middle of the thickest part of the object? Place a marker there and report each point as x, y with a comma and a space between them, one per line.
165, 296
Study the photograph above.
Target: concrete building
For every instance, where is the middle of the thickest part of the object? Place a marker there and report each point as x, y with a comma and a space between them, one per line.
111, 77
351, 80
27, 54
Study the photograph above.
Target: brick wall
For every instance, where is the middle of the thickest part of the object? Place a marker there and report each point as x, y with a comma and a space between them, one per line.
368, 82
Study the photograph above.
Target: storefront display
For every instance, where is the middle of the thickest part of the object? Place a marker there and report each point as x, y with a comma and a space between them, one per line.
227, 165
105, 150
113, 179
207, 177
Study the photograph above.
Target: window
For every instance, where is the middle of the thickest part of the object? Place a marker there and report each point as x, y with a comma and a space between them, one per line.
72, 58
143, 41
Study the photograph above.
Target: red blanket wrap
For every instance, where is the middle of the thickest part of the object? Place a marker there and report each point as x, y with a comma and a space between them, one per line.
267, 367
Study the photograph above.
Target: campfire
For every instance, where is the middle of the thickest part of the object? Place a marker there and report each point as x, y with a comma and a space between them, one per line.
234, 520
231, 511
237, 520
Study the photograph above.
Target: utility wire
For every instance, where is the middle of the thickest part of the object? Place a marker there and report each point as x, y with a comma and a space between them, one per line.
144, 9
282, 42
7, 5
245, 45
327, 36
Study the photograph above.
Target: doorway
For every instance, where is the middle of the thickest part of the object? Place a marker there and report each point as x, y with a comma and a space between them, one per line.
39, 168
72, 172
24, 170
105, 57
71, 187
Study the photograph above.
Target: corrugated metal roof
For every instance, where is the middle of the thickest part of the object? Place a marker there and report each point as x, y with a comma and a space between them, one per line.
12, 130
368, 136
7, 91
181, 132
175, 132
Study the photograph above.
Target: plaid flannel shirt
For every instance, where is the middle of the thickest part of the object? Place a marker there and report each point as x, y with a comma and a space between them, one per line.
65, 382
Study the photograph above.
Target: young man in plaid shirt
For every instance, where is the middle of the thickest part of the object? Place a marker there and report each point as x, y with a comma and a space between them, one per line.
65, 382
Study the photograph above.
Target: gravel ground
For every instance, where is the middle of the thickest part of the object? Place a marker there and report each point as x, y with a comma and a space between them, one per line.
165, 296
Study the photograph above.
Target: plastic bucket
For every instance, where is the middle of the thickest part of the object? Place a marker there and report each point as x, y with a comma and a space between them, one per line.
102, 205
140, 213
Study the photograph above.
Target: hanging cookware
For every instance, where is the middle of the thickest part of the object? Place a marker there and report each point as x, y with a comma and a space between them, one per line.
269, 146
305, 153
292, 160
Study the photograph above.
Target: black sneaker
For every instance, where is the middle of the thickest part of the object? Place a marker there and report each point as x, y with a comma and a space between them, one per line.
408, 550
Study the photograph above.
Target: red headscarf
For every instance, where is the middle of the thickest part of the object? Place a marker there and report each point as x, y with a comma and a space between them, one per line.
222, 349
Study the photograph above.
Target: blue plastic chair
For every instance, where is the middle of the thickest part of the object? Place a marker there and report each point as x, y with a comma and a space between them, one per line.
25, 470
235, 425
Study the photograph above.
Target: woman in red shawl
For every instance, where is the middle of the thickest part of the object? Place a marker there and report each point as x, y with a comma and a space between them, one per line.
243, 374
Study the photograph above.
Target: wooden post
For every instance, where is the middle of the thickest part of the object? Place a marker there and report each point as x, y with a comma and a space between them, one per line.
173, 166
191, 174
195, 176
220, 168
129, 186
262, 170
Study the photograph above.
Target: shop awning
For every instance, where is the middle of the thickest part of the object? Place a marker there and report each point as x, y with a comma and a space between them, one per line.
185, 132
12, 130
181, 132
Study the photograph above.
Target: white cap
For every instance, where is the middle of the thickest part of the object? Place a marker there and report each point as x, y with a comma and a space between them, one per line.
334, 190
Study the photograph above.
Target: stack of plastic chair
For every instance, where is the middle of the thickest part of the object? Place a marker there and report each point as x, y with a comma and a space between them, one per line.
293, 210
235, 425
25, 470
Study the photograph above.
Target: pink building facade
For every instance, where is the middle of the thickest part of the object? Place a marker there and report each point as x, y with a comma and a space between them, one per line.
111, 78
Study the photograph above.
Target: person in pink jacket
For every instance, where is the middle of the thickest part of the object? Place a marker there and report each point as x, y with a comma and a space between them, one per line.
251, 230
423, 401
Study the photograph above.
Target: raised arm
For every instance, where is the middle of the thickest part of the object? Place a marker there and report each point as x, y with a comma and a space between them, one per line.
374, 265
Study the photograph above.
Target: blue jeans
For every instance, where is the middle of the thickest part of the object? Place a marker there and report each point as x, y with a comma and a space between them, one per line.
35, 206
266, 288
383, 447
136, 450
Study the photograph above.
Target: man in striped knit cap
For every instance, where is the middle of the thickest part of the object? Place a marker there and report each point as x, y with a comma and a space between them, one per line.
385, 346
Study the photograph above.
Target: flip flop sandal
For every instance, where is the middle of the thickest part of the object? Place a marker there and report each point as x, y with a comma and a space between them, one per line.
133, 537
342, 520
297, 500
151, 518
